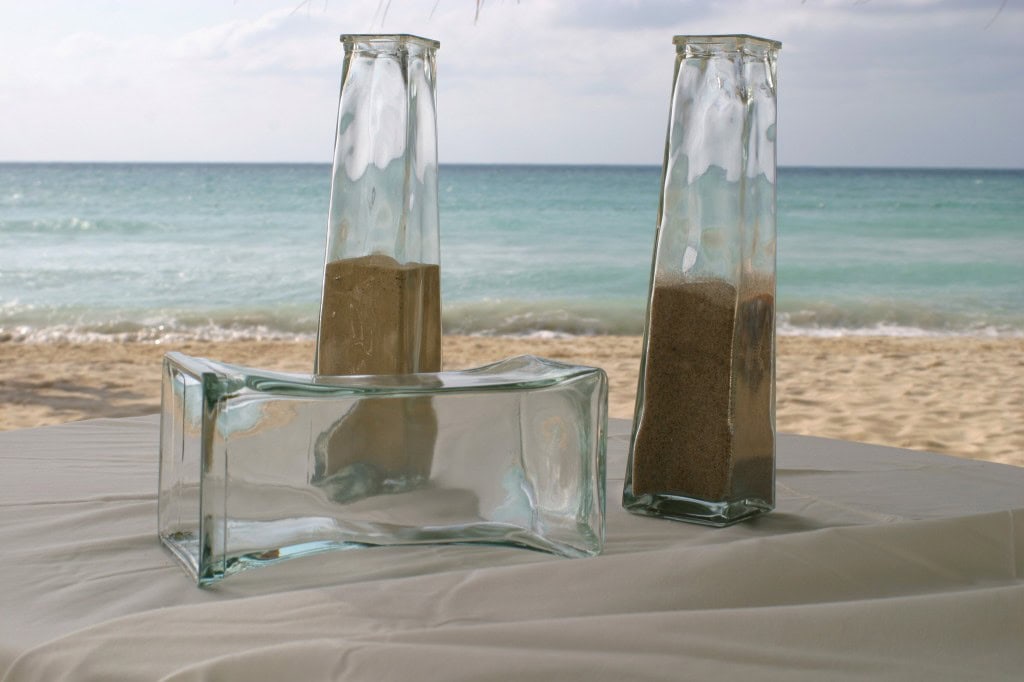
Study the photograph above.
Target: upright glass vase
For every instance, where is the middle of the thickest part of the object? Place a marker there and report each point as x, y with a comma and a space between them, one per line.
703, 442
381, 306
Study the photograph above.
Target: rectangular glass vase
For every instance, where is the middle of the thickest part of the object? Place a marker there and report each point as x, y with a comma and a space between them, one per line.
703, 442
257, 467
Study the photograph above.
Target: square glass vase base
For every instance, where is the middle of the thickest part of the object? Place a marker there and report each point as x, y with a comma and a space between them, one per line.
259, 467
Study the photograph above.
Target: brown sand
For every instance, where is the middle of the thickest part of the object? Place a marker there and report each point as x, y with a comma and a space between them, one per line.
694, 388
957, 396
380, 316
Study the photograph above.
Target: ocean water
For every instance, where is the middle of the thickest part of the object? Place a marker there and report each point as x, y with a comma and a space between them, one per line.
172, 251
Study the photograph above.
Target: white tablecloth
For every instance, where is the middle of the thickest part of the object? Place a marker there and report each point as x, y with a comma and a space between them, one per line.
878, 564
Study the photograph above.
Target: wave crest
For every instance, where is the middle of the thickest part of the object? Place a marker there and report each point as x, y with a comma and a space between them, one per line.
545, 318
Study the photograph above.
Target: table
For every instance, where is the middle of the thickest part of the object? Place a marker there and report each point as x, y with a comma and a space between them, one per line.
879, 563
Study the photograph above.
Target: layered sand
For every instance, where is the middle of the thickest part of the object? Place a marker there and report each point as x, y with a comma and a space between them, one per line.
958, 396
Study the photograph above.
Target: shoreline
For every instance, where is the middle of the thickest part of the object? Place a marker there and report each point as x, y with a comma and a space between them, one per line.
962, 396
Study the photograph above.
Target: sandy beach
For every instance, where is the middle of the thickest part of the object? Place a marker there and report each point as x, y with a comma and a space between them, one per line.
958, 396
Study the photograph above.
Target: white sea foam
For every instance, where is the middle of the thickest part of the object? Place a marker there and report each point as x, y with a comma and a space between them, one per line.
537, 319
154, 335
892, 330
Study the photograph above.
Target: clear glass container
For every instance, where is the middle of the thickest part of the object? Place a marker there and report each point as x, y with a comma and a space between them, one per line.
520, 461
381, 306
703, 442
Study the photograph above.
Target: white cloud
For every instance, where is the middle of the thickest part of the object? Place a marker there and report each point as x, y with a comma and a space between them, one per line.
531, 81
85, 44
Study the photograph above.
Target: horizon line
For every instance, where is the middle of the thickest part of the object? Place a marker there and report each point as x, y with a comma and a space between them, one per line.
522, 164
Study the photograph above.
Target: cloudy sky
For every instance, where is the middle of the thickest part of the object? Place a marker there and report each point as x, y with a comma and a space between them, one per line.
861, 82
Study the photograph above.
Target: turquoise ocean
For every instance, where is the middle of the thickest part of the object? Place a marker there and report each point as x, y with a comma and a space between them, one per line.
225, 251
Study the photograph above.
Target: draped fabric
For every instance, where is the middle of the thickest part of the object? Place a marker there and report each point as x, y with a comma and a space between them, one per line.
878, 564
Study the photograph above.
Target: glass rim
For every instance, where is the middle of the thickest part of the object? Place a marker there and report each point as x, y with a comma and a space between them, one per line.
398, 38
724, 38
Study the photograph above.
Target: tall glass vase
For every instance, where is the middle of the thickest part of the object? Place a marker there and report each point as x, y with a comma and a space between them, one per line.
703, 442
381, 306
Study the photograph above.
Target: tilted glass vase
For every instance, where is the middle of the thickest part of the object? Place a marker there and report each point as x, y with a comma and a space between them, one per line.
703, 443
